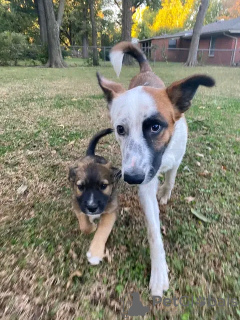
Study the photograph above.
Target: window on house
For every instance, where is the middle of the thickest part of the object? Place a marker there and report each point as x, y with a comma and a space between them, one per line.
172, 43
212, 47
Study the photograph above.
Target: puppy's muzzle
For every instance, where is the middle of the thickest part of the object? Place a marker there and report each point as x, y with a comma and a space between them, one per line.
134, 178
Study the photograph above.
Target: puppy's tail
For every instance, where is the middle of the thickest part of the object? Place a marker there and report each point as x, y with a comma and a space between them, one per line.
93, 142
117, 53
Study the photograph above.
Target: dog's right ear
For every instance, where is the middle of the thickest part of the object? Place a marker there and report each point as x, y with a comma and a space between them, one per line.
110, 89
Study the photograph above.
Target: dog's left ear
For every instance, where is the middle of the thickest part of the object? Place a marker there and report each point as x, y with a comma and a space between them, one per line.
181, 92
110, 89
72, 174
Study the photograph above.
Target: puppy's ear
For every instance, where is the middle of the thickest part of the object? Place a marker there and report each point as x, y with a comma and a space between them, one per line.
72, 174
117, 173
110, 89
181, 92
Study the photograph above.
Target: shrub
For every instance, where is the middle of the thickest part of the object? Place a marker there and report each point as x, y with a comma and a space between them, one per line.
12, 47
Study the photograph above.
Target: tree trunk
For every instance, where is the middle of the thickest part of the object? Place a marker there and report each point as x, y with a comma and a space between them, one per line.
60, 13
94, 33
42, 21
126, 26
55, 59
85, 46
85, 34
126, 20
192, 56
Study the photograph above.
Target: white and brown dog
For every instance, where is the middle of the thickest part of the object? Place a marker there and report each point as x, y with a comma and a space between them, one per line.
151, 129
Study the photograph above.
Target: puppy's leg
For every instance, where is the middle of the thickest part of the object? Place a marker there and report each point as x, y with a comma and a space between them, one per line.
166, 189
84, 223
159, 269
97, 247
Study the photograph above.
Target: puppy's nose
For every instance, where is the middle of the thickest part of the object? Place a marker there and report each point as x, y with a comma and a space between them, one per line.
134, 178
92, 208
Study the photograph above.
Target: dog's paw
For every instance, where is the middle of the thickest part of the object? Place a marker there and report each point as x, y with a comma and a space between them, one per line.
159, 280
164, 194
93, 260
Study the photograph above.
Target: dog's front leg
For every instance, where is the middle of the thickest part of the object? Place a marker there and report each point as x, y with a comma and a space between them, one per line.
97, 247
159, 269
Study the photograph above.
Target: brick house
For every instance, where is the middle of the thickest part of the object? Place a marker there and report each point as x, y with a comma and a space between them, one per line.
219, 44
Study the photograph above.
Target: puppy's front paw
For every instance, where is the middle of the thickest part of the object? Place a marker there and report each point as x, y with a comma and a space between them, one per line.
164, 194
159, 280
93, 260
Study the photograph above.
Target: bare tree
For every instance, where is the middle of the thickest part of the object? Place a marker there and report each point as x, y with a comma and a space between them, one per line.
192, 56
94, 32
49, 30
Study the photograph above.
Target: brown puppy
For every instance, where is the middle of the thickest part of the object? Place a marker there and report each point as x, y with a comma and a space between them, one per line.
93, 181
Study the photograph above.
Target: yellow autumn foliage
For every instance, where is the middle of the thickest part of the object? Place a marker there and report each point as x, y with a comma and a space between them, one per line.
172, 15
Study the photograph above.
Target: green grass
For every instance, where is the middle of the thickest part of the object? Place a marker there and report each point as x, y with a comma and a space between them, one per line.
47, 118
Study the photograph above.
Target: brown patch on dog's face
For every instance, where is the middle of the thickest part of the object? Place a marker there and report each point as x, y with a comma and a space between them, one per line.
92, 184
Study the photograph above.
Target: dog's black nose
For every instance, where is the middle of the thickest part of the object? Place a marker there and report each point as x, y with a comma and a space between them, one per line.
133, 178
92, 208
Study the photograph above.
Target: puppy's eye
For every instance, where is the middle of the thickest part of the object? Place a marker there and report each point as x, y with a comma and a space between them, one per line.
81, 187
103, 186
155, 128
120, 130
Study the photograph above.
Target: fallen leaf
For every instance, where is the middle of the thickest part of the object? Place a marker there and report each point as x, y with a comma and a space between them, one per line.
199, 215
198, 163
224, 168
22, 189
205, 173
164, 230
107, 256
71, 143
200, 155
189, 199
73, 254
76, 273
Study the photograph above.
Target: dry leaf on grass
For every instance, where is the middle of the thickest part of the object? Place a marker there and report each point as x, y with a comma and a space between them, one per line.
164, 230
189, 199
199, 215
205, 173
76, 273
200, 155
107, 256
71, 143
198, 163
22, 189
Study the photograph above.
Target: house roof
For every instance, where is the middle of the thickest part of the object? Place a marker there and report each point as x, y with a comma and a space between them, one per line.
220, 26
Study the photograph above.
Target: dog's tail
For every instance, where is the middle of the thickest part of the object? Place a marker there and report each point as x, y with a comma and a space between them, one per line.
117, 53
93, 142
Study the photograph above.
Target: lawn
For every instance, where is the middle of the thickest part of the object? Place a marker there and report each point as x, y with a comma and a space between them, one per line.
47, 117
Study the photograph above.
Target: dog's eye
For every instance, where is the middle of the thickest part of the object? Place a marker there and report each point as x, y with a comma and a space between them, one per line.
120, 130
103, 186
155, 128
81, 187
